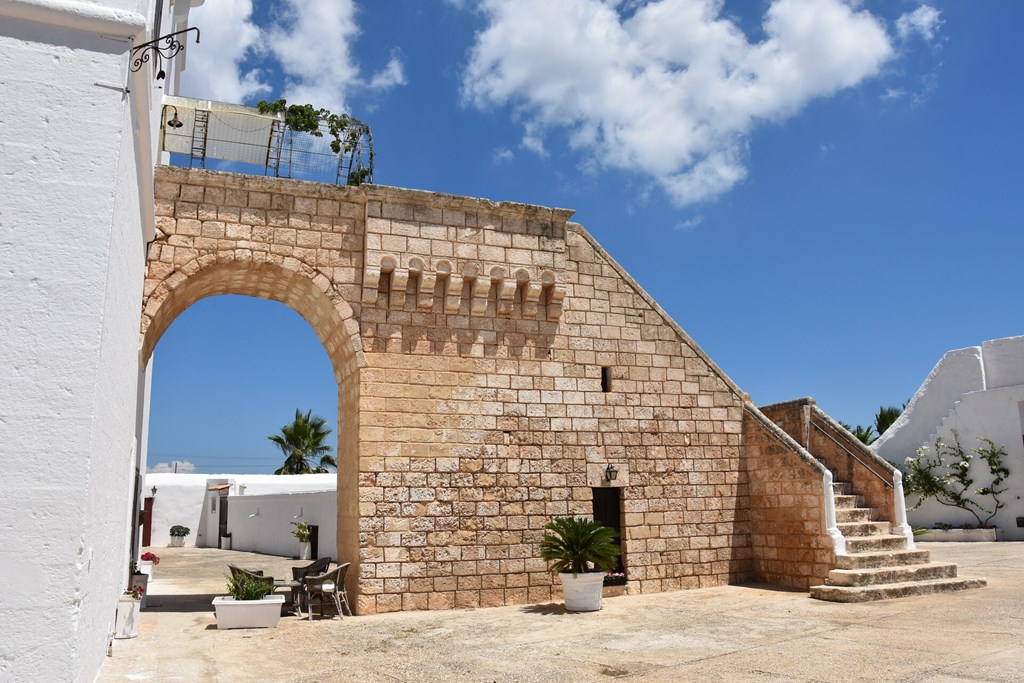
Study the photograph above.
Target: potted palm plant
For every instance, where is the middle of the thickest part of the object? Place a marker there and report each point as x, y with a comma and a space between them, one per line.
178, 534
580, 551
303, 533
250, 604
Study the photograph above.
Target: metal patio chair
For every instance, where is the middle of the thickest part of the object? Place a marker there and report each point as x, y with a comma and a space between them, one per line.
328, 586
300, 573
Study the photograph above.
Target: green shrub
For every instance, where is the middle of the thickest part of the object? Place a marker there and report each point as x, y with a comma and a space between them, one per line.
179, 530
245, 587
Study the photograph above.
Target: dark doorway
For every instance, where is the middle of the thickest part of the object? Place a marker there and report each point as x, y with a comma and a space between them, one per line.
608, 511
147, 522
223, 519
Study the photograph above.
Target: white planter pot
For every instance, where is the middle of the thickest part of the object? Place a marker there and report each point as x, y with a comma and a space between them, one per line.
265, 613
126, 622
142, 580
146, 567
961, 535
177, 542
305, 550
225, 543
582, 592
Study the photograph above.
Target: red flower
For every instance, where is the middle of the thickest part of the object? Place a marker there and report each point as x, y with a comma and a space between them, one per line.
150, 557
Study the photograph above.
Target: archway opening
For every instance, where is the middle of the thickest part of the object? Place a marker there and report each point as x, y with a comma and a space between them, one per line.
227, 405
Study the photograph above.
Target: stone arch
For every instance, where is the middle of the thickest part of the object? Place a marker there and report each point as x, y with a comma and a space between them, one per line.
302, 288
313, 296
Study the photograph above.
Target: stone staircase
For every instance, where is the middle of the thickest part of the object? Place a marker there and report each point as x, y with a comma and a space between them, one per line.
878, 565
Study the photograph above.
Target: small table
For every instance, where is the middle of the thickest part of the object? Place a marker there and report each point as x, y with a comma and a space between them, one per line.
296, 590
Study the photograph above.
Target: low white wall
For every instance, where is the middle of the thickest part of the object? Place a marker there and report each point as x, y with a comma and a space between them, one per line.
184, 499
262, 524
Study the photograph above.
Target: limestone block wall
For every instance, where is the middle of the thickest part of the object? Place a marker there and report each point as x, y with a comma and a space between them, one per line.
486, 330
848, 458
789, 541
492, 359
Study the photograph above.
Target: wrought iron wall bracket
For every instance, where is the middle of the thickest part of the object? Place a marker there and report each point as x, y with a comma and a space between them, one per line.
164, 47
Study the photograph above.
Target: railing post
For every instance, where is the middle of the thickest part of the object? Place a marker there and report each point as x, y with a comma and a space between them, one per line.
838, 542
900, 508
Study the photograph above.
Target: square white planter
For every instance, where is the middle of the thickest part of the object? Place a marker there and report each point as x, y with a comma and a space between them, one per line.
265, 613
126, 619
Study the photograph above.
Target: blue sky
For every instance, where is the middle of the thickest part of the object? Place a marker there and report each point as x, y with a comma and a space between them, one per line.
826, 196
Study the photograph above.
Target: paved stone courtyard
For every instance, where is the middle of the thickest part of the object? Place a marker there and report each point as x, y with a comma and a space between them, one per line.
728, 633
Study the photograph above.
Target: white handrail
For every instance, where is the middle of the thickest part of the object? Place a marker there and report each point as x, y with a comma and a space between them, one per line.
900, 508
838, 541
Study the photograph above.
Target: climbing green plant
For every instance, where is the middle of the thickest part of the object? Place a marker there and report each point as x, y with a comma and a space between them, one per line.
305, 118
943, 472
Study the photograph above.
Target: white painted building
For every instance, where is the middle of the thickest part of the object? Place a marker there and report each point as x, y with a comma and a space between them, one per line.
257, 509
77, 147
978, 392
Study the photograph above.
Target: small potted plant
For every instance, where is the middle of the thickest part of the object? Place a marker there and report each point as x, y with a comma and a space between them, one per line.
146, 564
126, 620
140, 579
303, 533
250, 604
178, 534
580, 551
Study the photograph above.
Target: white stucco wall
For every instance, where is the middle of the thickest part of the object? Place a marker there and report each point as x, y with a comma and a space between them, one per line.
262, 524
184, 499
72, 244
978, 392
1004, 362
956, 373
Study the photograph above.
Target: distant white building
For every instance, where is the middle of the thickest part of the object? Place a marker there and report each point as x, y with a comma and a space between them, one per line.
78, 140
256, 509
977, 392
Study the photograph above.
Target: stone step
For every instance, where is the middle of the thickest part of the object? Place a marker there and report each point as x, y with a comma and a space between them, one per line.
855, 514
842, 488
847, 501
867, 544
893, 590
882, 559
899, 574
856, 529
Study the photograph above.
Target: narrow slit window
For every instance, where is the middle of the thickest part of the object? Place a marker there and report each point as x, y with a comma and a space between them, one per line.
606, 379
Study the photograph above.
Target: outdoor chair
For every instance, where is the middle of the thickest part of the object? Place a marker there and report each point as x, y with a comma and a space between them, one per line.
300, 573
318, 567
328, 586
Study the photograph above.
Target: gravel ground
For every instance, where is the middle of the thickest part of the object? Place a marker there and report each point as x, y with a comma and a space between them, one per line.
733, 633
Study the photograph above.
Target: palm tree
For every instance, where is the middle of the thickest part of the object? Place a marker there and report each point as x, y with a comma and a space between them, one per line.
302, 443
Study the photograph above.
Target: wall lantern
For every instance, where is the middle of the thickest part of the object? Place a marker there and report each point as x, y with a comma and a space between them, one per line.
175, 122
611, 472
154, 491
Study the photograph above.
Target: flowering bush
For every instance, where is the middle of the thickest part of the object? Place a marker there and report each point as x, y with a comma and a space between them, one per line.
150, 557
134, 591
615, 579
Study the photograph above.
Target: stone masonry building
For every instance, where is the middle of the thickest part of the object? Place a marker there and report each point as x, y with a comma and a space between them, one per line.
492, 360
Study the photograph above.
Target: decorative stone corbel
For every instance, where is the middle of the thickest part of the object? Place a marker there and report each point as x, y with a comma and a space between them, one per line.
555, 295
506, 291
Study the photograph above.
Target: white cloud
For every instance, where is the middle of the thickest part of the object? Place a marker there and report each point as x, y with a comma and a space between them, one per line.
391, 75
689, 223
503, 154
891, 94
309, 39
179, 466
213, 67
924, 21
674, 89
